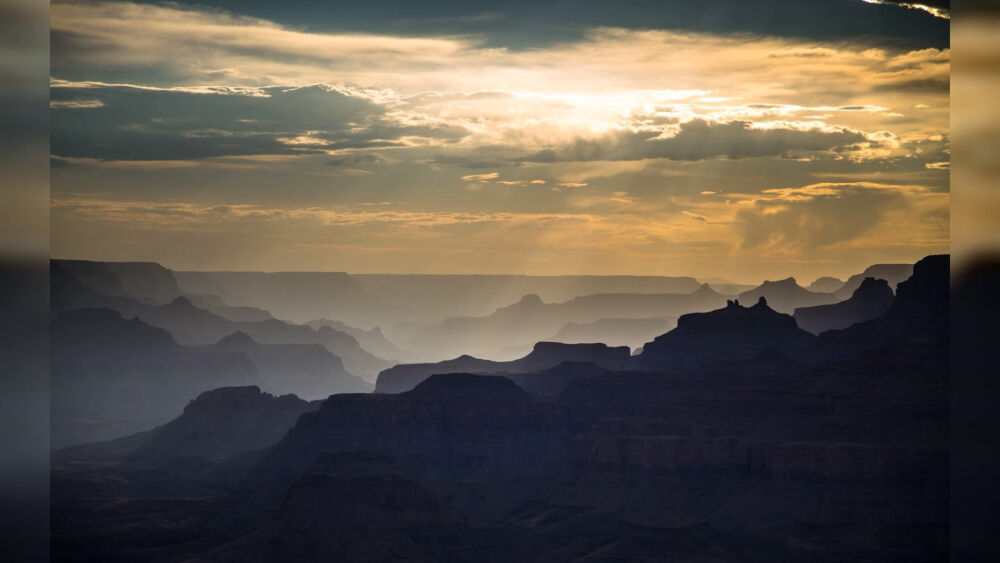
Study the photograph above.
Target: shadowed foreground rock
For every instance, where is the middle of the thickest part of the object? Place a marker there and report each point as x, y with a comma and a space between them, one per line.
843, 458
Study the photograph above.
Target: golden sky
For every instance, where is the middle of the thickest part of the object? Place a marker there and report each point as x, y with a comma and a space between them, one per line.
207, 139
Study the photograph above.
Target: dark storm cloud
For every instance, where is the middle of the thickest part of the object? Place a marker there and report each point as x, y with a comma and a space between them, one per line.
114, 122
527, 23
698, 140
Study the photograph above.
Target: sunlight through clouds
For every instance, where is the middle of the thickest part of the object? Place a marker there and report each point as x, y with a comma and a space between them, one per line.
657, 141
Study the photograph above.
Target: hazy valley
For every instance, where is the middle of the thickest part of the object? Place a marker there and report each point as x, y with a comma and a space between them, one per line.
778, 422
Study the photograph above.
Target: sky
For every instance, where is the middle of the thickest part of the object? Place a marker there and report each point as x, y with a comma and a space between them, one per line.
733, 139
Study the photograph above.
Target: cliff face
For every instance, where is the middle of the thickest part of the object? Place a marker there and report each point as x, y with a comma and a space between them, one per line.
545, 355
920, 313
871, 300
732, 334
891, 273
224, 422
448, 427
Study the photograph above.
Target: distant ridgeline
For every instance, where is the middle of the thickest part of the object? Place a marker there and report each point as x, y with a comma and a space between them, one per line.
780, 424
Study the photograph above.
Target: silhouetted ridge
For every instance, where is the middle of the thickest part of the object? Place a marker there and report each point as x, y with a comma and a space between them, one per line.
238, 339
872, 288
919, 314
735, 436
735, 318
892, 273
826, 284
308, 370
94, 276
924, 296
872, 298
147, 282
547, 354
91, 331
510, 331
216, 305
788, 282
705, 290
113, 376
544, 355
731, 334
182, 303
530, 300
467, 388
373, 340
786, 295
228, 396
297, 296
225, 422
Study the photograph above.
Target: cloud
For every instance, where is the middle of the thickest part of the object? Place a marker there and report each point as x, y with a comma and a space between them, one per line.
128, 34
821, 215
141, 123
76, 104
605, 90
699, 139
209, 106
936, 8
184, 45
480, 177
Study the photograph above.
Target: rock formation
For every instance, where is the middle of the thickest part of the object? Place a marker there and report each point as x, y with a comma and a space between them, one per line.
307, 370
786, 295
544, 355
732, 334
224, 422
892, 273
826, 284
112, 376
871, 299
